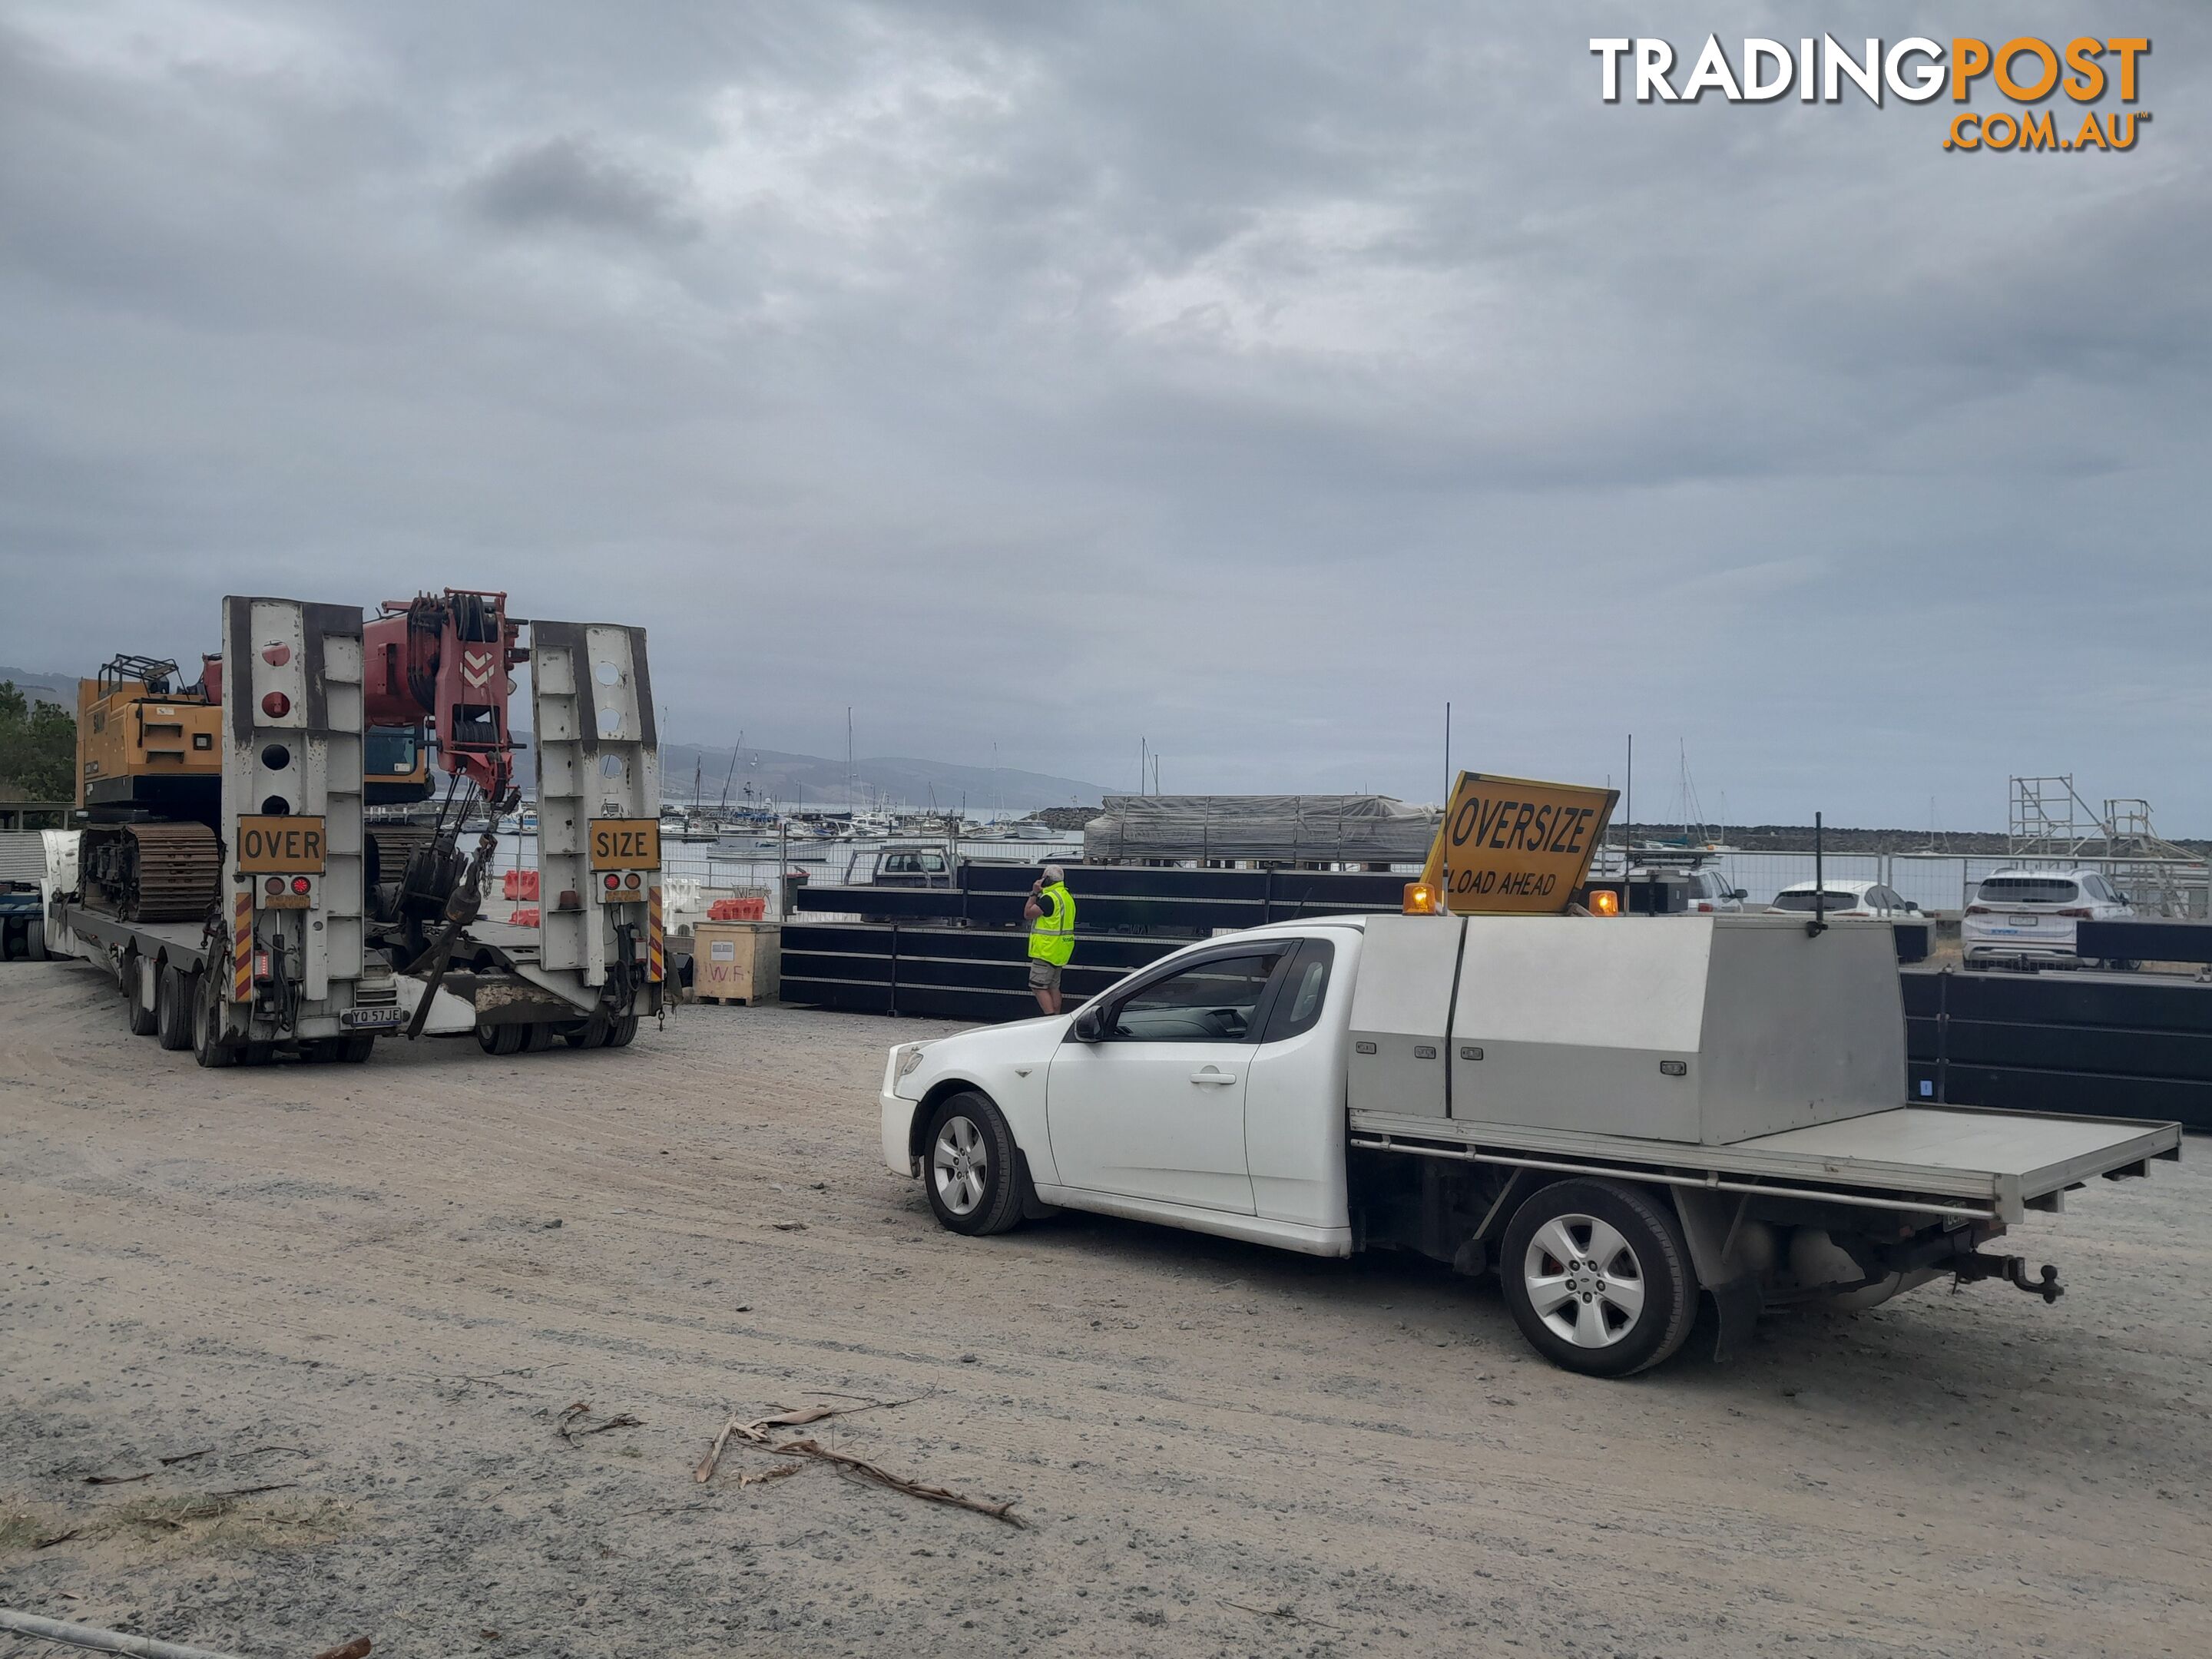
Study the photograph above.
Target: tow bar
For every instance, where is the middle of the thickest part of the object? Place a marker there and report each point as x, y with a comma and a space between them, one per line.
2013, 1269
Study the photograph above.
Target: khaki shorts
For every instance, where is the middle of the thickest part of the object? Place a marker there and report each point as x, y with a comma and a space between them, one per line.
1043, 975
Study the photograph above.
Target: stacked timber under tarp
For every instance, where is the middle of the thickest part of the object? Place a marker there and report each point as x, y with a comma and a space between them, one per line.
1298, 830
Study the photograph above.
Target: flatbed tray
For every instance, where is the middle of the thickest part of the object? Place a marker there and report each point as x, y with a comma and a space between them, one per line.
2005, 1159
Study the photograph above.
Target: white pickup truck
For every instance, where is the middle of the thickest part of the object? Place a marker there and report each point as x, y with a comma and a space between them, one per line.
1615, 1114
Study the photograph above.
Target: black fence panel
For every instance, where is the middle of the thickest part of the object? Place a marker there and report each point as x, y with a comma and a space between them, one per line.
2093, 1045
1125, 899
2070, 997
2143, 939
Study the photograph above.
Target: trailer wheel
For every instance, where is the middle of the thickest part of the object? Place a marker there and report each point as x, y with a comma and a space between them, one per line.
34, 939
970, 1169
537, 1039
137, 978
501, 1039
622, 1032
1598, 1278
172, 1011
209, 1047
577, 1034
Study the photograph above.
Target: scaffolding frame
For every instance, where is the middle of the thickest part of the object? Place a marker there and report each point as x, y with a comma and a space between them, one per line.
2048, 819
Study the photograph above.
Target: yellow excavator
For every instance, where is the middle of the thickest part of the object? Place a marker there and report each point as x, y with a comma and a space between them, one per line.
149, 784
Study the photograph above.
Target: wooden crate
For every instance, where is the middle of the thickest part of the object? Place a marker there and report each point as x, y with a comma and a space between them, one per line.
736, 961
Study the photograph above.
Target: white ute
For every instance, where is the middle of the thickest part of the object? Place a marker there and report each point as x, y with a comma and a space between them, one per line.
1615, 1115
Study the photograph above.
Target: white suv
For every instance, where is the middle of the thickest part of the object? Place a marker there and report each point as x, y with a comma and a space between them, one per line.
1843, 898
2024, 916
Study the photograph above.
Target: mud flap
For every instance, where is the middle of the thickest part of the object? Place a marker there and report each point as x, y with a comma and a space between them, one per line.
1033, 1207
1739, 1302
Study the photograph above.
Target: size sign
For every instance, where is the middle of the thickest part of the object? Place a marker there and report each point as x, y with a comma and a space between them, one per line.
1517, 847
625, 843
280, 846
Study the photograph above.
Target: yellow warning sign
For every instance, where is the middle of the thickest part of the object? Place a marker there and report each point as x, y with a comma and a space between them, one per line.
1515, 845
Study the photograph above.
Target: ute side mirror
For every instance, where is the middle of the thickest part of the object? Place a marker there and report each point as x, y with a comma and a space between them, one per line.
1739, 894
1088, 1027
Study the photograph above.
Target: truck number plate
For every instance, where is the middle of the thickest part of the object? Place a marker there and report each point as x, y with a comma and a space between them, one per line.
370, 1019
280, 846
625, 843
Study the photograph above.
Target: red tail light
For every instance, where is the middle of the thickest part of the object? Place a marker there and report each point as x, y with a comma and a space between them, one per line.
1977, 909
1705, 908
300, 883
2079, 915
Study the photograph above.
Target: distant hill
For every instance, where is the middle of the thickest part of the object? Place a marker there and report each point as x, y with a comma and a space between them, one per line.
43, 688
818, 780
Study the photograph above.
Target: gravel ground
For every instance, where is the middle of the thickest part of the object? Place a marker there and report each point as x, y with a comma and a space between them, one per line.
285, 1355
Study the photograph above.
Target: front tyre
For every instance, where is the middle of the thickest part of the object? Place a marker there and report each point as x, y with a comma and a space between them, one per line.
970, 1168
1598, 1278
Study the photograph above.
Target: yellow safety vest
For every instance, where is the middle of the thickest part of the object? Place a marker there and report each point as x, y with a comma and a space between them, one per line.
1052, 937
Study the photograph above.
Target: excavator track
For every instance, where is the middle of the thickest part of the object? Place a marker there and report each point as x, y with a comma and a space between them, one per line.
151, 872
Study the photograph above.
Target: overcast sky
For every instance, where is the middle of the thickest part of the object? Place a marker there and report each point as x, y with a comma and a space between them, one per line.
1250, 378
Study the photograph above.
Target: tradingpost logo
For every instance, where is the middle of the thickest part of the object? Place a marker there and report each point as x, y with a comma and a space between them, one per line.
2033, 74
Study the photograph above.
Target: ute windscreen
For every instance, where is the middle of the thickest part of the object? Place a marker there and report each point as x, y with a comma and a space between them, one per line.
1831, 900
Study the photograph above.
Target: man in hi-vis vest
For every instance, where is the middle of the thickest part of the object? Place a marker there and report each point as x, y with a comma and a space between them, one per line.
1051, 915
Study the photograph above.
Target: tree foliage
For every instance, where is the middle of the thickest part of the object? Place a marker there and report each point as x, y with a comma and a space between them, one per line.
38, 747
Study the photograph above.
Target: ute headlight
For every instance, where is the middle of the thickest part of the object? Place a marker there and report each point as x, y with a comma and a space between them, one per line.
909, 1057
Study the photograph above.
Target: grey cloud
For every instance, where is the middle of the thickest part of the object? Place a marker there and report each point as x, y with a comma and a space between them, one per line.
1255, 380
564, 180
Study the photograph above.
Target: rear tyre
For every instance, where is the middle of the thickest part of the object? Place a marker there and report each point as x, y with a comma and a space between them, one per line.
537, 1039
209, 1046
579, 1036
1598, 1278
501, 1039
34, 939
354, 1049
172, 1011
622, 1032
969, 1167
138, 978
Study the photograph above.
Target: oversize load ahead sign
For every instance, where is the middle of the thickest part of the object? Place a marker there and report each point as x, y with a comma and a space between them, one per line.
1515, 846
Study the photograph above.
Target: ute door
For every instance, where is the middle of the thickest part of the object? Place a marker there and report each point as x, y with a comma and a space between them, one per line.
1155, 1107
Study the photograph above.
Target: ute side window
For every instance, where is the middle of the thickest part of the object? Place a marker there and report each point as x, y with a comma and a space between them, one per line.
1305, 987
1210, 1001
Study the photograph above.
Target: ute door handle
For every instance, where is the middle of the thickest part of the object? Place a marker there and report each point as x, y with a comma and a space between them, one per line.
1213, 1074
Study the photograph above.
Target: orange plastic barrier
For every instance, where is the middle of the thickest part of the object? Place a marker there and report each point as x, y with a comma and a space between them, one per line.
738, 910
527, 917
520, 884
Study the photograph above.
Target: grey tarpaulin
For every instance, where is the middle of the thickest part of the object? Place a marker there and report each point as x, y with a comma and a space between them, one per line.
1298, 828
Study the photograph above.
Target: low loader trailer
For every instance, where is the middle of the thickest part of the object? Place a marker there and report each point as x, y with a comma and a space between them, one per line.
307, 945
